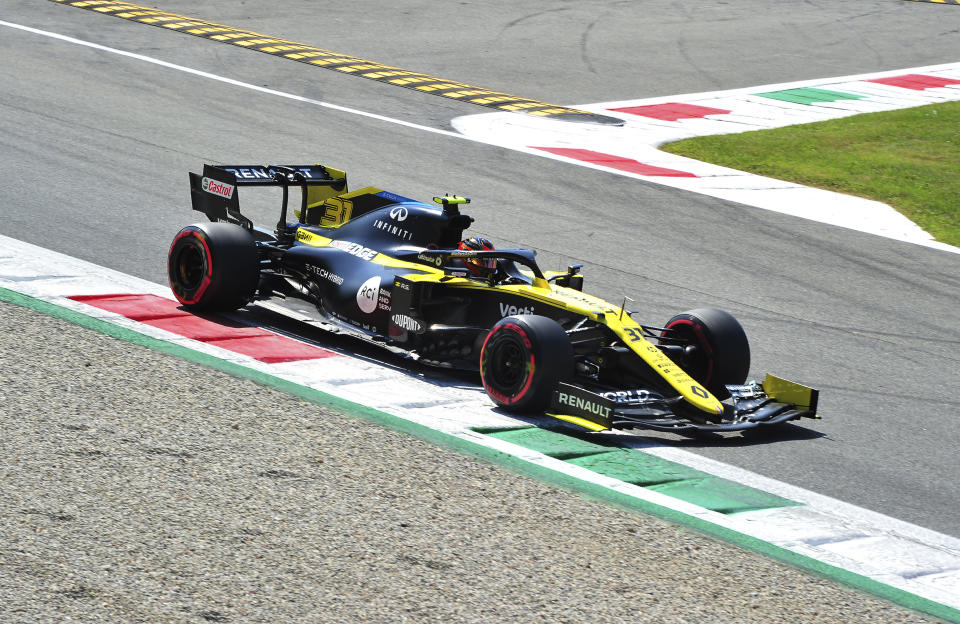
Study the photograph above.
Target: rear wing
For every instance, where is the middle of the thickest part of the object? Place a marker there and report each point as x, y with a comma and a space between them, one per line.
215, 193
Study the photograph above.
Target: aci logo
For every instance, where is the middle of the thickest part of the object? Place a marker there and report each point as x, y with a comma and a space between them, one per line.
214, 187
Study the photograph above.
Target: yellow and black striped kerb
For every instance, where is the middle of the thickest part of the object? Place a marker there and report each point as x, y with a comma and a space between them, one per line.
957, 2
347, 64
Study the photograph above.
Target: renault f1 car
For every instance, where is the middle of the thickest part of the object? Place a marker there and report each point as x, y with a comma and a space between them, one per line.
391, 270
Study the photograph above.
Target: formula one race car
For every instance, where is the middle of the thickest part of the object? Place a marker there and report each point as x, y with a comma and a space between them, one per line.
396, 271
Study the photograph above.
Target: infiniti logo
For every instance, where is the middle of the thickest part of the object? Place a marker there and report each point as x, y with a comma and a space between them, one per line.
398, 213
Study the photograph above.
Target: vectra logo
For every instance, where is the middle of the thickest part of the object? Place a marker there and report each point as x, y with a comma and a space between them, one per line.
215, 187
509, 310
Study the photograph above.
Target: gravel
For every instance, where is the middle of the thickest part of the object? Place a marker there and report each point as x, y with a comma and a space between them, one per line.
138, 487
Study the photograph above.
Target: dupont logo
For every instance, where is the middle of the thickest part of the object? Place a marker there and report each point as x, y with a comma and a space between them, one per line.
405, 322
215, 187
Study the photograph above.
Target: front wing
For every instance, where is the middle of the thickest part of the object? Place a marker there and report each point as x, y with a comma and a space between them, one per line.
754, 404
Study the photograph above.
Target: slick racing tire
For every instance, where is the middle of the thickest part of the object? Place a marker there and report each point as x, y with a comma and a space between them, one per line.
722, 354
213, 266
521, 361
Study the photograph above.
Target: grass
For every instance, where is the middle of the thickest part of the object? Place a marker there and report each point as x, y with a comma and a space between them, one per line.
909, 159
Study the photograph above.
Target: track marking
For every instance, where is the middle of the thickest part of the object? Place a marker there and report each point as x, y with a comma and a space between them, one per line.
917, 82
233, 82
344, 63
260, 344
616, 162
633, 150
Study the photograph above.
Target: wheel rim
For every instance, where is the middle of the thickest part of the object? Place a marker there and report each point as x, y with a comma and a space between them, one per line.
701, 366
508, 367
191, 267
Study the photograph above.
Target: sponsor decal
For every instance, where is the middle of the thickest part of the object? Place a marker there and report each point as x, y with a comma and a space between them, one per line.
325, 274
262, 173
405, 322
399, 213
583, 405
394, 197
367, 295
435, 260
631, 396
383, 301
509, 310
401, 285
215, 187
355, 249
746, 391
393, 230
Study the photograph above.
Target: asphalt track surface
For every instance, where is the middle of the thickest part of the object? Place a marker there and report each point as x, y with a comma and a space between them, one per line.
95, 148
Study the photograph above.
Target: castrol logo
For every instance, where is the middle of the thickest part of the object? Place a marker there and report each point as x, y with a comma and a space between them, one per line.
215, 187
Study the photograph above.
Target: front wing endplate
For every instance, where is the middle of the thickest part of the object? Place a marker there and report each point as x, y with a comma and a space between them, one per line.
775, 401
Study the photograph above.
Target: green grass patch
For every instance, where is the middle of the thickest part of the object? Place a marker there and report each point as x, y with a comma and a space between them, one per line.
907, 158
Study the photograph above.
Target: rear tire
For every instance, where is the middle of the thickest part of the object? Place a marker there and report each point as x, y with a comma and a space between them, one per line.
722, 353
213, 266
522, 360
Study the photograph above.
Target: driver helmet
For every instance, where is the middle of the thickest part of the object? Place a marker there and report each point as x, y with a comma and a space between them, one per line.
478, 266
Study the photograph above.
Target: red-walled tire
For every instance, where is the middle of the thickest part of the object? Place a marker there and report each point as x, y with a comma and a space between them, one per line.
722, 353
213, 266
522, 359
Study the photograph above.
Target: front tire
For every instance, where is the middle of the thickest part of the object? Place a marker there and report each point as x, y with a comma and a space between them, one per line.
522, 360
213, 266
722, 352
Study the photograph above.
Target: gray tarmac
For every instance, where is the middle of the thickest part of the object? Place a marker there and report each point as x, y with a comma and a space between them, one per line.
138, 487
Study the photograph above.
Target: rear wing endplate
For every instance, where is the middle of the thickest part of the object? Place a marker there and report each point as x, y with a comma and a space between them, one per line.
215, 192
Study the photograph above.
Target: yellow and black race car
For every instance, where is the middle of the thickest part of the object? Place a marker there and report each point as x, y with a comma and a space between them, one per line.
398, 272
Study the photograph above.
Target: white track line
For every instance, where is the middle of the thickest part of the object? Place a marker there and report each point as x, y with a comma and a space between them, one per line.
230, 81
